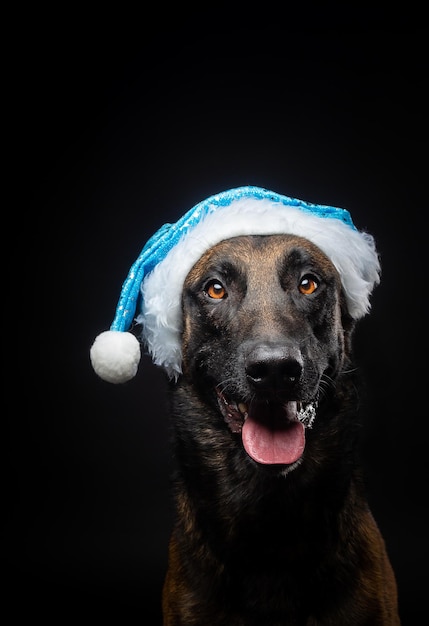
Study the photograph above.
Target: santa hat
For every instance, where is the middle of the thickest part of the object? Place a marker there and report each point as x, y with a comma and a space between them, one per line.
155, 280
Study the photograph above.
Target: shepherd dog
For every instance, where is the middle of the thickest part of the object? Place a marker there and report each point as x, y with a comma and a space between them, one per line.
272, 524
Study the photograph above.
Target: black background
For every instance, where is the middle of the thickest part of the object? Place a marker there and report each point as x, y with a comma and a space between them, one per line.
122, 125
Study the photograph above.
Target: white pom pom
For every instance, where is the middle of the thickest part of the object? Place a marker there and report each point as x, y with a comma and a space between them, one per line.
115, 356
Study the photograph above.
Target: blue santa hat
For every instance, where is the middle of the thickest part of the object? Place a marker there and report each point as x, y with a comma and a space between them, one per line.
156, 278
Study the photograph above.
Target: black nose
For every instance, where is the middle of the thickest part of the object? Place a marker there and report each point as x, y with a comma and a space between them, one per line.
273, 368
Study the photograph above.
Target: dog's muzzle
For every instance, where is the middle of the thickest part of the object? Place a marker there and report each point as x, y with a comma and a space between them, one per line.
273, 433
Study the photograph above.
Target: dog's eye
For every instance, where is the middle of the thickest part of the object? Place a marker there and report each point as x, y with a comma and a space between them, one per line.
308, 284
215, 290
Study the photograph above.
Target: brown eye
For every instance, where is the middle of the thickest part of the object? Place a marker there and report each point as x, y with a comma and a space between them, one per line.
308, 285
215, 290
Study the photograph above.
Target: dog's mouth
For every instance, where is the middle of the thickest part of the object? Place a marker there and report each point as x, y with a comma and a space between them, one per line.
273, 433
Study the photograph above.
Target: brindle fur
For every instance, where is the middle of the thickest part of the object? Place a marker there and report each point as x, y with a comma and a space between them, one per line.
255, 545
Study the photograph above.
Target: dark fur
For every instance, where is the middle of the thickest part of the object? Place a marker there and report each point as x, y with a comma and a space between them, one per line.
253, 544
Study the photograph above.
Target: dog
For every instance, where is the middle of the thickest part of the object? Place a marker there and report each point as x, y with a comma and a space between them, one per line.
272, 523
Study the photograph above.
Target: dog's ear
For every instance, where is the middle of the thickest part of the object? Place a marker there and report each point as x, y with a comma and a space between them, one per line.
348, 324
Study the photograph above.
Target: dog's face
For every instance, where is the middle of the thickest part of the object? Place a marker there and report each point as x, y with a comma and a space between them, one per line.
263, 336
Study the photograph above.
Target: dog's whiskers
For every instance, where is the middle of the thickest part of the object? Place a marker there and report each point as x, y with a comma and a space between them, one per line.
302, 341
227, 383
326, 383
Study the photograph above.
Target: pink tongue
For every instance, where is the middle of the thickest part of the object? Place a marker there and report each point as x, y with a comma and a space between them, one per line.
273, 441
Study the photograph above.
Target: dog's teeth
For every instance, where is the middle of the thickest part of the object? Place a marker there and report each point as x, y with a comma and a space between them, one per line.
243, 408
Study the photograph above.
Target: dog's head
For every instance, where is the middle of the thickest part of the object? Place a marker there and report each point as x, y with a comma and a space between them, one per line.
265, 331
247, 302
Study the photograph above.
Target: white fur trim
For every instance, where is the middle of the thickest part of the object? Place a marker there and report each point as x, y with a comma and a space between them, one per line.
115, 356
352, 252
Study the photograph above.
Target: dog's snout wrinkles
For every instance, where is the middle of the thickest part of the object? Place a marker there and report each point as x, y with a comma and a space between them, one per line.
272, 368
